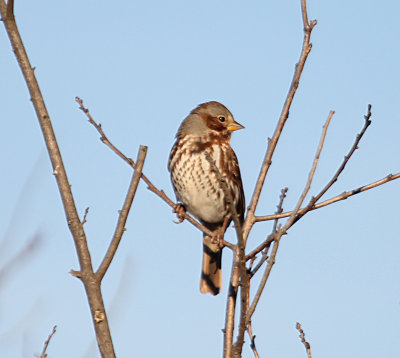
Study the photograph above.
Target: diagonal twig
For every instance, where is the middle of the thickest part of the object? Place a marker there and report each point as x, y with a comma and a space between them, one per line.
150, 185
252, 341
85, 214
303, 339
327, 202
342, 166
312, 205
123, 214
46, 343
270, 237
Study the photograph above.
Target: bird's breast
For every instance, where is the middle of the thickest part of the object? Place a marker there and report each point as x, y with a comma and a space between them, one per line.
196, 184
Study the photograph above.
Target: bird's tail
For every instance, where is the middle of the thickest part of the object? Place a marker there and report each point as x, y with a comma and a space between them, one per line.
211, 273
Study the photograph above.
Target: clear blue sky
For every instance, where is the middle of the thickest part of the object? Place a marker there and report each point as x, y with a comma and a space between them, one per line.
141, 67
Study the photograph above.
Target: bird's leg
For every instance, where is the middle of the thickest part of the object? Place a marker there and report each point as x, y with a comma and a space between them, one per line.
180, 212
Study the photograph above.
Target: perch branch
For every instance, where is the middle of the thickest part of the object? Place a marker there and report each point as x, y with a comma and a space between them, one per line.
272, 143
150, 185
123, 214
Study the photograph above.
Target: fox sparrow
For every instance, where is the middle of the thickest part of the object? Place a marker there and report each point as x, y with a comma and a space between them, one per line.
207, 129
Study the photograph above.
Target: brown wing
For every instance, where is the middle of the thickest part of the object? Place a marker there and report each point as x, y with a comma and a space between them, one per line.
237, 180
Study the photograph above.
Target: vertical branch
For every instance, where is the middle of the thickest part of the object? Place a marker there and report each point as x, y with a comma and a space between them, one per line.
47, 129
272, 143
86, 274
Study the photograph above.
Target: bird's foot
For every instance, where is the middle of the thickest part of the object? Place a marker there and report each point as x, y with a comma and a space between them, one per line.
180, 212
218, 238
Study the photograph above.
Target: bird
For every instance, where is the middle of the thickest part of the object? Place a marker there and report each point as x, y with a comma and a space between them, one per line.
206, 131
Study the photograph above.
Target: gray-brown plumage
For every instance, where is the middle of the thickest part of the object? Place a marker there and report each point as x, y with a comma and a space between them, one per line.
207, 128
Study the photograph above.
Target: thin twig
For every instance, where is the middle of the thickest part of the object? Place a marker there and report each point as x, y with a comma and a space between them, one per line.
123, 214
264, 256
46, 344
21, 256
150, 185
270, 237
279, 208
249, 326
343, 165
327, 202
272, 143
278, 235
303, 339
262, 246
252, 341
85, 216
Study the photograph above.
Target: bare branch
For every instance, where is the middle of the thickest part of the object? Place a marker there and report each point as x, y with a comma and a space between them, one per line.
303, 339
123, 214
262, 246
278, 235
312, 204
330, 201
46, 344
343, 165
252, 341
92, 287
150, 185
269, 239
272, 143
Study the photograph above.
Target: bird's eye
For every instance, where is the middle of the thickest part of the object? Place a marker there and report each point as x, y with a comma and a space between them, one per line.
221, 119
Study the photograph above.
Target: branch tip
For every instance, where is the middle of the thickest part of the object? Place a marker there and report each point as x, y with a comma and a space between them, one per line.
76, 274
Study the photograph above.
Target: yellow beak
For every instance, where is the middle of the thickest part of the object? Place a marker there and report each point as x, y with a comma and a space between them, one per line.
235, 126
